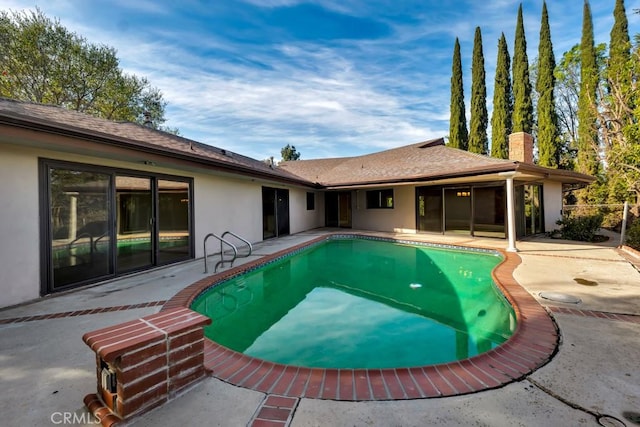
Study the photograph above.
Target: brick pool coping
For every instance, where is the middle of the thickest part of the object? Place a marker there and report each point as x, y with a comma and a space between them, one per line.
532, 345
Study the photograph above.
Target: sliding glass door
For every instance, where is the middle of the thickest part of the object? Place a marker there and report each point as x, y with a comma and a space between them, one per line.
134, 223
78, 217
275, 212
457, 212
173, 221
99, 222
529, 211
478, 210
337, 209
429, 208
489, 211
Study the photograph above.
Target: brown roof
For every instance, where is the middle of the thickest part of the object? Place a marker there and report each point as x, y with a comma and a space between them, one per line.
424, 161
429, 160
54, 119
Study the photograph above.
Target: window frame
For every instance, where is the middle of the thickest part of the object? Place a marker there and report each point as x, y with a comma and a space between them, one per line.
376, 199
45, 165
311, 201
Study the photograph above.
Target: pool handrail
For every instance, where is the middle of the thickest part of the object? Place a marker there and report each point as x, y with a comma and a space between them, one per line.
241, 239
222, 260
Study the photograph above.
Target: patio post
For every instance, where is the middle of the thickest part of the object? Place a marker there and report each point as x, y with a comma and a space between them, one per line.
511, 215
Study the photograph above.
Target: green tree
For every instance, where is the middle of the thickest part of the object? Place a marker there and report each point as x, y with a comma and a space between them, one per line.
289, 152
547, 134
588, 141
522, 118
567, 75
618, 113
619, 46
567, 90
43, 62
478, 140
502, 103
618, 78
458, 134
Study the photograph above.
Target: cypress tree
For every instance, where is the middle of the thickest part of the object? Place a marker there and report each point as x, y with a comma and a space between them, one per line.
619, 46
618, 73
522, 118
478, 141
620, 102
587, 120
548, 135
502, 103
458, 135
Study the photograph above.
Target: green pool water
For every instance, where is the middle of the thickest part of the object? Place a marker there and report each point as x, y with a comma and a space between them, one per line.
359, 303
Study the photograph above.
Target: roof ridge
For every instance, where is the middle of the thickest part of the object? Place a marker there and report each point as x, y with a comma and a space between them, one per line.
481, 156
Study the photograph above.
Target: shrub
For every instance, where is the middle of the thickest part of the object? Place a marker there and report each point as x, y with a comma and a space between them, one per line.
633, 235
582, 228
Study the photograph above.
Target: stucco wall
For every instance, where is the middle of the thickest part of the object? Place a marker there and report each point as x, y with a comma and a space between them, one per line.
300, 218
399, 219
226, 205
19, 247
220, 203
552, 199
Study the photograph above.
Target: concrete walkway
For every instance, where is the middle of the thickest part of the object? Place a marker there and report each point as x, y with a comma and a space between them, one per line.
594, 379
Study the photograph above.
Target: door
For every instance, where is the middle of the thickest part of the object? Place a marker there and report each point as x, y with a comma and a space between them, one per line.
344, 207
331, 210
429, 209
78, 212
173, 221
275, 212
489, 211
134, 223
338, 209
457, 210
282, 211
98, 222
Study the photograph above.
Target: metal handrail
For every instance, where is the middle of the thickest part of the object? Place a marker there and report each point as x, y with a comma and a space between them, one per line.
239, 238
70, 244
95, 242
222, 260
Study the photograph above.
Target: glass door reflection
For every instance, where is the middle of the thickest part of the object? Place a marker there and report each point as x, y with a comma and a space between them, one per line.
78, 220
457, 215
134, 223
173, 221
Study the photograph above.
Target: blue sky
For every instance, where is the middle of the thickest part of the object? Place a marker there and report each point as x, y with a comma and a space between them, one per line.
331, 77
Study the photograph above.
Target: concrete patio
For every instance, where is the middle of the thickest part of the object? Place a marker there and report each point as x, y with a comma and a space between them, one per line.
594, 379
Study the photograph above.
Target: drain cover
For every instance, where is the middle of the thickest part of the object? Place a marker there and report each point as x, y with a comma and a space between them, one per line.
609, 421
557, 296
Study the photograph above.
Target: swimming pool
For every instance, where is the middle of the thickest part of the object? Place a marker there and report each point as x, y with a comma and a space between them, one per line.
532, 345
354, 303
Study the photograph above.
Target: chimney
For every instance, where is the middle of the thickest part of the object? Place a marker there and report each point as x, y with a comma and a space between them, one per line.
147, 119
521, 147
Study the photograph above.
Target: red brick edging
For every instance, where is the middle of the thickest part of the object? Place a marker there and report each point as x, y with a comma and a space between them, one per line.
631, 318
85, 312
274, 411
531, 346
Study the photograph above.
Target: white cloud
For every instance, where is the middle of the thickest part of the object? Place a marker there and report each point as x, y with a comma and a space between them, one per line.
327, 99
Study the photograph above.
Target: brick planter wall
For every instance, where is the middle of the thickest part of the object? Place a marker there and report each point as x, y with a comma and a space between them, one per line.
144, 363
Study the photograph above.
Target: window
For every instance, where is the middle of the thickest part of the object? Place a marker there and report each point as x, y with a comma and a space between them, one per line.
311, 201
380, 199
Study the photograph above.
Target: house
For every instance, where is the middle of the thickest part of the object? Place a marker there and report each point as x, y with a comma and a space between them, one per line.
87, 199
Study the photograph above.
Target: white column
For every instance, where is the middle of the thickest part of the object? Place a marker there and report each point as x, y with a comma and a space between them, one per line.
73, 215
511, 212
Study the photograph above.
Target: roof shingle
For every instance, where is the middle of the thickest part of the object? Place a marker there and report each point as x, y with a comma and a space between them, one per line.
426, 160
417, 161
132, 135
